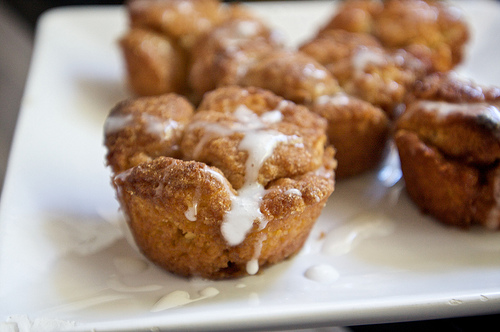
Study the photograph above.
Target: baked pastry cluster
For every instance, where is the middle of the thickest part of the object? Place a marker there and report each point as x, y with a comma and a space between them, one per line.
432, 30
399, 55
377, 50
227, 45
228, 154
449, 145
222, 191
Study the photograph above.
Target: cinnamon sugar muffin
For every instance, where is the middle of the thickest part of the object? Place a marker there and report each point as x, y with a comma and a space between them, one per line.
141, 129
289, 137
358, 130
434, 31
333, 45
158, 45
293, 75
355, 16
223, 55
154, 63
365, 69
180, 20
186, 224
248, 183
449, 145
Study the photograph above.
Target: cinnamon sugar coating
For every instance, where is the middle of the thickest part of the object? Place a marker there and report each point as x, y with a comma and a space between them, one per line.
180, 189
157, 195
228, 114
434, 31
141, 129
223, 55
365, 69
449, 144
355, 16
358, 130
332, 45
182, 21
158, 46
452, 87
154, 64
292, 75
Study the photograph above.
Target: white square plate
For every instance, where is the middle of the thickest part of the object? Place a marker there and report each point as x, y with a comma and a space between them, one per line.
65, 263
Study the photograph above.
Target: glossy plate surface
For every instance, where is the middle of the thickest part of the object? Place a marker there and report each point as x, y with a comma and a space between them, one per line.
65, 263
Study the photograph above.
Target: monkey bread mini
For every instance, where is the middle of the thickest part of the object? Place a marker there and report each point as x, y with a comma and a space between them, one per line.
239, 189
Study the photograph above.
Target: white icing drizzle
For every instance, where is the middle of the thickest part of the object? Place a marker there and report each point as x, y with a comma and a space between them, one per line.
191, 212
365, 56
219, 178
339, 99
310, 70
253, 264
247, 29
260, 145
180, 298
154, 125
238, 36
443, 109
117, 122
366, 225
259, 142
293, 191
185, 7
272, 117
322, 273
245, 210
323, 172
163, 128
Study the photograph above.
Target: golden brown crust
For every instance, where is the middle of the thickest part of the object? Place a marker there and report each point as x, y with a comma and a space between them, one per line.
179, 210
364, 68
227, 115
141, 129
333, 45
452, 87
449, 147
468, 132
433, 31
456, 115
179, 20
487, 205
292, 75
443, 188
382, 78
159, 198
358, 131
156, 195
155, 64
223, 55
355, 16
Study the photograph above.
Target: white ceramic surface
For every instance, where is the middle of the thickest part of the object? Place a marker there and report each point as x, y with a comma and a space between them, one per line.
65, 263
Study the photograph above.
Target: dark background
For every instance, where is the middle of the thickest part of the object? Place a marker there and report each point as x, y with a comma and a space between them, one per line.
29, 11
